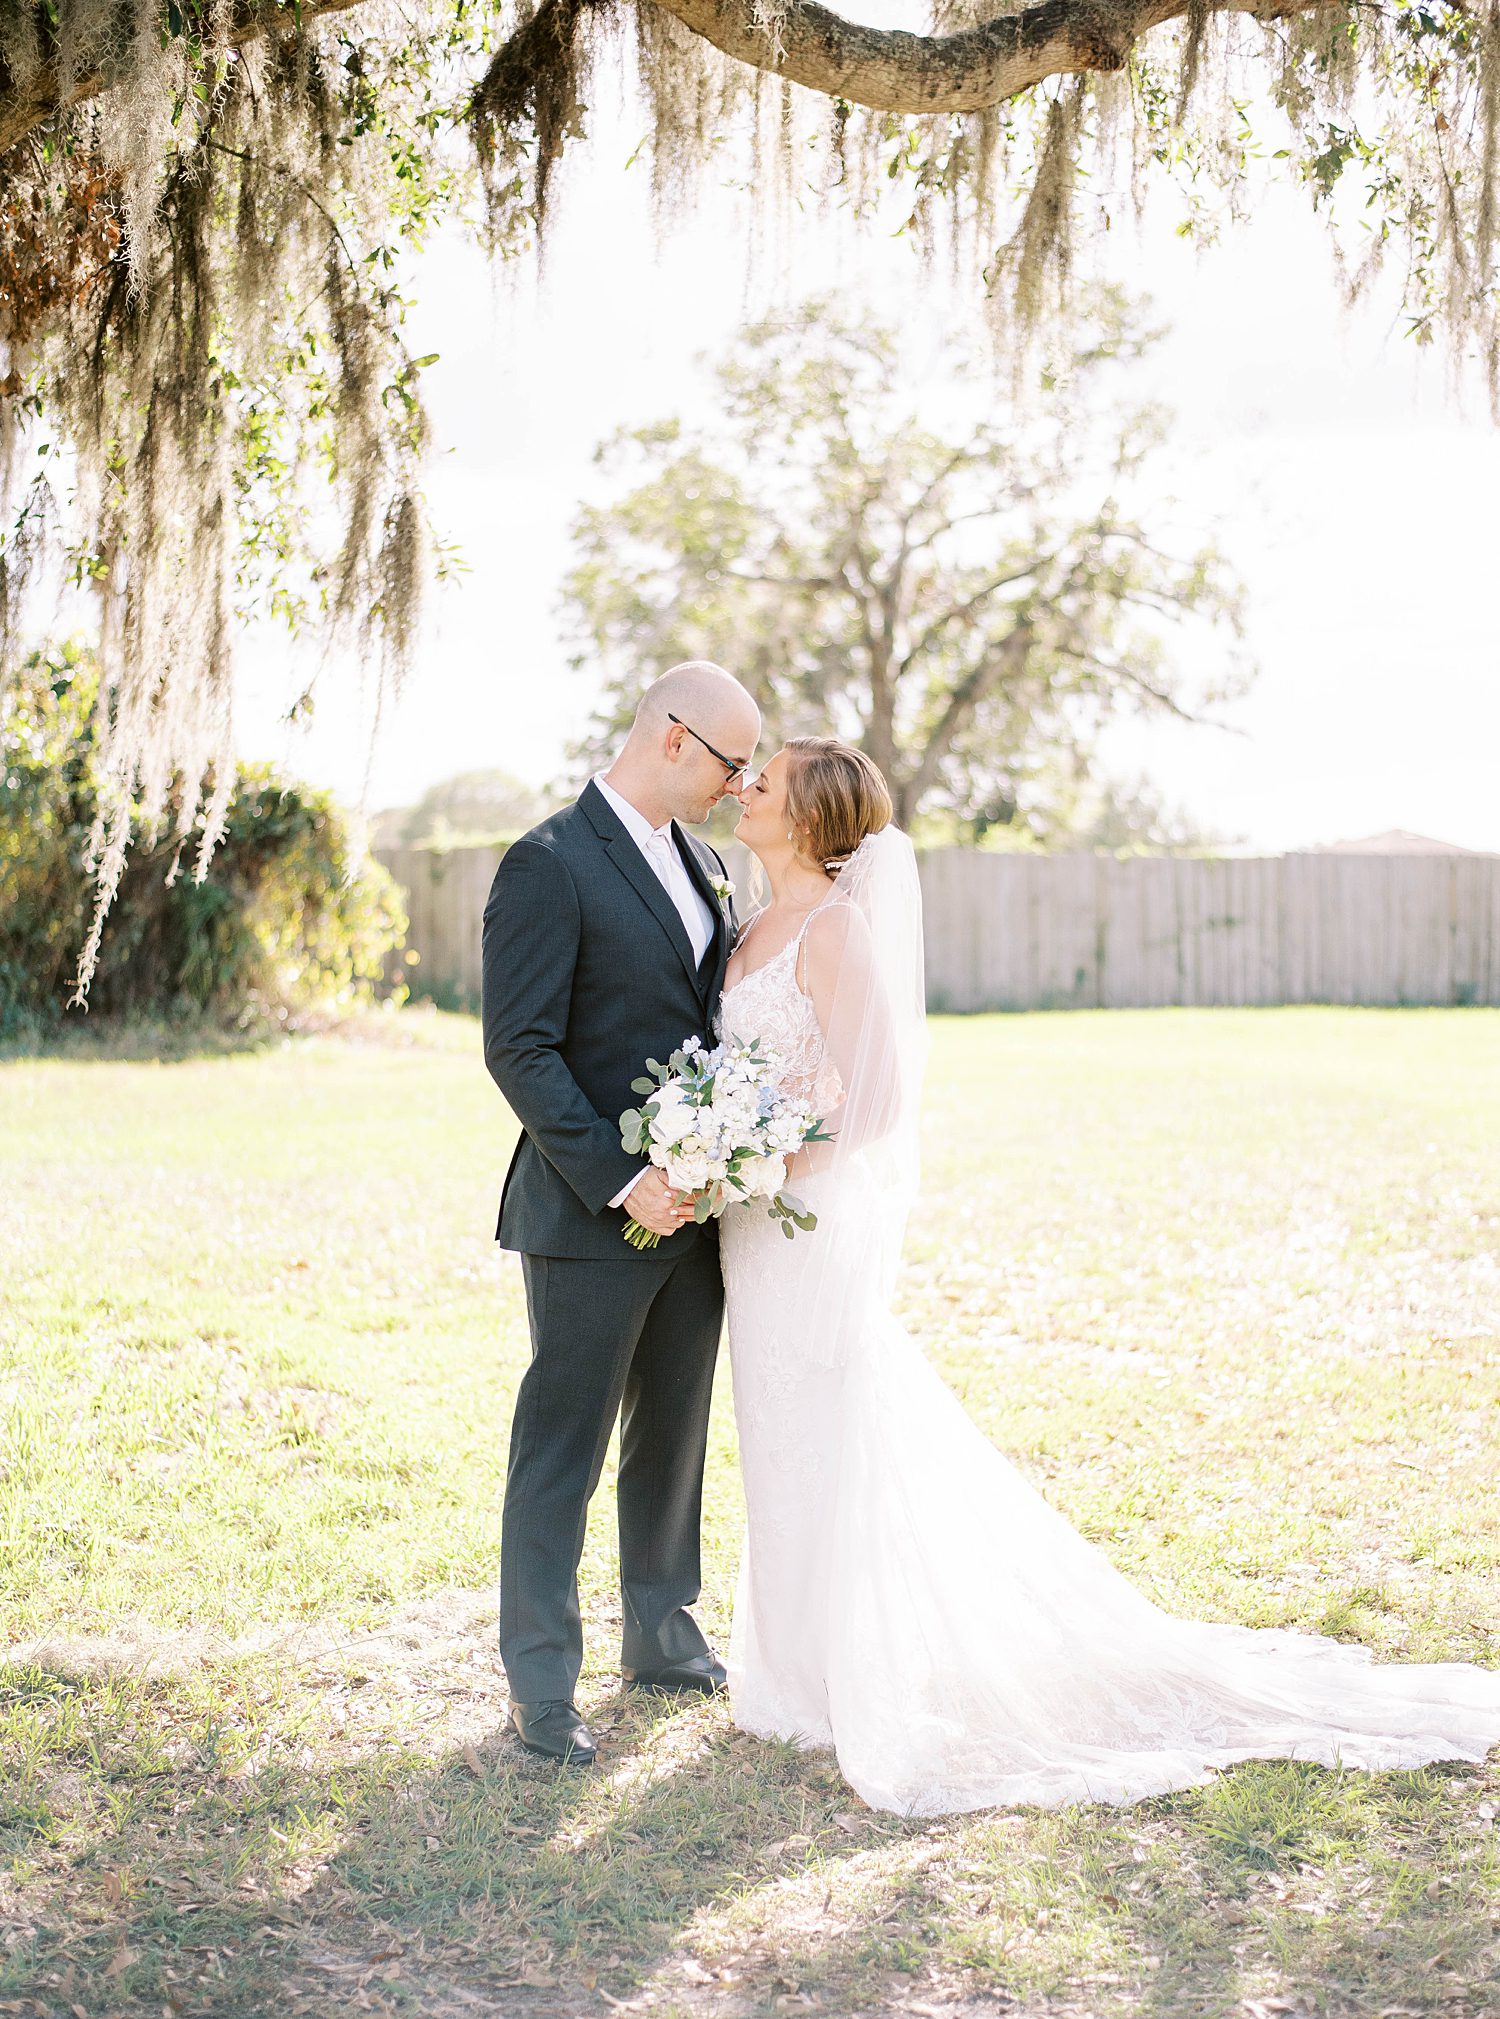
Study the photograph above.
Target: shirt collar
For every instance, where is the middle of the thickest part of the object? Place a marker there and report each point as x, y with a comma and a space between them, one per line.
635, 823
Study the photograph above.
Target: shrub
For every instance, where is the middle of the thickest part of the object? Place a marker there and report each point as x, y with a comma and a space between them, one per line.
287, 920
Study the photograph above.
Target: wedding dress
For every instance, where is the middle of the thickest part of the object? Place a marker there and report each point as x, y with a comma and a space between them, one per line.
905, 1596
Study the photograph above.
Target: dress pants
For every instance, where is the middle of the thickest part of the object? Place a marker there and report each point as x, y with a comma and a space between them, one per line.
636, 1338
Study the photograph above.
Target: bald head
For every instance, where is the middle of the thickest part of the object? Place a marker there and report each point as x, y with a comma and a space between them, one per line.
667, 767
710, 699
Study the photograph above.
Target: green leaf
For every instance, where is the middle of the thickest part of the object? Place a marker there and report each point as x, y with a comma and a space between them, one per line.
643, 1086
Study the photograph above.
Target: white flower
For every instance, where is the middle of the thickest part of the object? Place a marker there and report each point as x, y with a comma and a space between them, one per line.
784, 1134
673, 1121
735, 1113
690, 1171
722, 889
762, 1177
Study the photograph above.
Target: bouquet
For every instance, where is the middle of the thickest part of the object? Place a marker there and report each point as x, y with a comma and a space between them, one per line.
717, 1125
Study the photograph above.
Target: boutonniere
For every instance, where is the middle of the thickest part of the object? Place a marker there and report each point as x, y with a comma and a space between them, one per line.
722, 889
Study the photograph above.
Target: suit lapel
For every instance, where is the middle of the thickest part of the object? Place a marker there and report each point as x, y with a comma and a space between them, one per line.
718, 946
639, 874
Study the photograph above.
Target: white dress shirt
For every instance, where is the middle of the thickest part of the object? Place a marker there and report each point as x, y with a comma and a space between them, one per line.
661, 851
670, 871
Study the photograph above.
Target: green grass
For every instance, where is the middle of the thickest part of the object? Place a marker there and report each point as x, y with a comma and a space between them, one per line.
1226, 1284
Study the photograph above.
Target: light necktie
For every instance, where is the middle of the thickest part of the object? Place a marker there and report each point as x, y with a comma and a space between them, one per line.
661, 852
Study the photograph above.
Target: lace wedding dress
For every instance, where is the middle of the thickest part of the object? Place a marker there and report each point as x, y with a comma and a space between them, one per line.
905, 1596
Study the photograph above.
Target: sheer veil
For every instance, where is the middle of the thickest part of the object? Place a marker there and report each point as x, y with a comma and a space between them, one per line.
864, 973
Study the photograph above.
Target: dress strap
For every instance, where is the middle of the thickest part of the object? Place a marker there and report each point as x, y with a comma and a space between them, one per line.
821, 905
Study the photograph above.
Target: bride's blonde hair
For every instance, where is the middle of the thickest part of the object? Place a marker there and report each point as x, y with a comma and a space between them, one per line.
835, 796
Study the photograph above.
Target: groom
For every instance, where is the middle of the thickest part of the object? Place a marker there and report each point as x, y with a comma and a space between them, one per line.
605, 940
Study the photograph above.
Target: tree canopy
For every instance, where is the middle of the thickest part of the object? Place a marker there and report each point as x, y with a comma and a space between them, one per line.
968, 602
206, 404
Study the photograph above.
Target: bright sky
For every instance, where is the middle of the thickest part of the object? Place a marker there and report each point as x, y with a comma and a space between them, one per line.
1359, 501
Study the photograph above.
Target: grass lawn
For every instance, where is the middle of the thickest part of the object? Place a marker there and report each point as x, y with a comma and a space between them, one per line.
1226, 1284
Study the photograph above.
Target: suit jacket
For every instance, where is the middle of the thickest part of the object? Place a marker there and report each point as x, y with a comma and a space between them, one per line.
588, 972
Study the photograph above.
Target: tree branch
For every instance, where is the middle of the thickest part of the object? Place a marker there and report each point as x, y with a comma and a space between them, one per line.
894, 71
786, 581
968, 606
1005, 663
1121, 670
886, 68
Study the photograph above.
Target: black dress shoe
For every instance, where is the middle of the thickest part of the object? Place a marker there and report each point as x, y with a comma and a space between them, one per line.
556, 1731
702, 1672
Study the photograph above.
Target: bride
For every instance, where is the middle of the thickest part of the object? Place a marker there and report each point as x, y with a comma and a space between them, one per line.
905, 1597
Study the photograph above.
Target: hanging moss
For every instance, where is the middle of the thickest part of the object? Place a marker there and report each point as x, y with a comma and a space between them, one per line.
204, 327
197, 299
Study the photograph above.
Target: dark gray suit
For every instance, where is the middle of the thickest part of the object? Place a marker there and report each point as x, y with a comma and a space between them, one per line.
588, 972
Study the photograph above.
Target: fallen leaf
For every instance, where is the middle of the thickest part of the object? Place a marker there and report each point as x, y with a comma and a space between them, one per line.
121, 1960
474, 1763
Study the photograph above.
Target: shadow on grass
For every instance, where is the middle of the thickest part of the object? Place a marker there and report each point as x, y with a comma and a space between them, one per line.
81, 1040
695, 1870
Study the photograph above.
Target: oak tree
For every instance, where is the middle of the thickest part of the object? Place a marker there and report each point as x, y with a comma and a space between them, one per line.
969, 604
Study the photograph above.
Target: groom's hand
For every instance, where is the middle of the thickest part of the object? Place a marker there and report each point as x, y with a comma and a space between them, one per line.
654, 1203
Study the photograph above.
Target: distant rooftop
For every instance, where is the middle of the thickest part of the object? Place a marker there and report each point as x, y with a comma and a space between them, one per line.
1395, 841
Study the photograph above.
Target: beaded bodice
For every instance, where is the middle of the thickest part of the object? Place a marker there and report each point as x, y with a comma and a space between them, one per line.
769, 1005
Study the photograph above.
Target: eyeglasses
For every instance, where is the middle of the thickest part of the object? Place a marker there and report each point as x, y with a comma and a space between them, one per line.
733, 768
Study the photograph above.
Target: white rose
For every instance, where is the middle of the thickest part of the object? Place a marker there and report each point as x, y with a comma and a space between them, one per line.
762, 1177
672, 1122
689, 1171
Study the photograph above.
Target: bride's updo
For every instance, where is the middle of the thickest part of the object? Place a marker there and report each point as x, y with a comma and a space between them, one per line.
835, 796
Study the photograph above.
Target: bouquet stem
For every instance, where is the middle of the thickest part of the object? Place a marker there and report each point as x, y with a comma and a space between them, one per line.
639, 1236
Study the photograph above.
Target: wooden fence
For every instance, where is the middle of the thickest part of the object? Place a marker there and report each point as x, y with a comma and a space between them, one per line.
1019, 932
